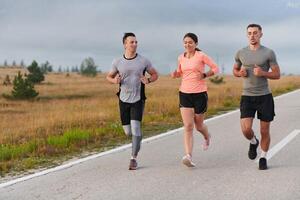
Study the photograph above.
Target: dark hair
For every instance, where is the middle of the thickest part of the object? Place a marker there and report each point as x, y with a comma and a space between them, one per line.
194, 37
254, 25
126, 35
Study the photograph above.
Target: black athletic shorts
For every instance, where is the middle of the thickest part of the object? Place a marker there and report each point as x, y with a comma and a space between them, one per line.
131, 111
198, 101
263, 105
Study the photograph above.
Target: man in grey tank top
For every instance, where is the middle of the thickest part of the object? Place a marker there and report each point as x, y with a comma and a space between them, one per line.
256, 64
129, 72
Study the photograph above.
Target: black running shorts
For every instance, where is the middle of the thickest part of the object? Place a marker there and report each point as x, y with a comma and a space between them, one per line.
198, 101
131, 111
263, 105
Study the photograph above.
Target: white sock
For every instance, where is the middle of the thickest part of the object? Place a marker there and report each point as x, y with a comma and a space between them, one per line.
133, 158
263, 154
253, 140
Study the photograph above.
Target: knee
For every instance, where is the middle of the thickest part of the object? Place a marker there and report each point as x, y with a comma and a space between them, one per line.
127, 130
247, 130
264, 132
200, 127
136, 128
189, 127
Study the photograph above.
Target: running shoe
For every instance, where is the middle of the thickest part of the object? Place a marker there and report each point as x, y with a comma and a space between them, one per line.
252, 150
132, 164
263, 164
206, 143
187, 160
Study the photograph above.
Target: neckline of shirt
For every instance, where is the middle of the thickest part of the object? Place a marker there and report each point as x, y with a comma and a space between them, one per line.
130, 58
259, 48
196, 52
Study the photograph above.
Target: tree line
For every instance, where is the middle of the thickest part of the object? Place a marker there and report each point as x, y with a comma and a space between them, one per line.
23, 84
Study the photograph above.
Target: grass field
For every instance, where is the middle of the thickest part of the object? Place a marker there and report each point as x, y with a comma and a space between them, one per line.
75, 114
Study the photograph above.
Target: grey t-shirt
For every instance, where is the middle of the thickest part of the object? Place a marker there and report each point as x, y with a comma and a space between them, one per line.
263, 57
131, 70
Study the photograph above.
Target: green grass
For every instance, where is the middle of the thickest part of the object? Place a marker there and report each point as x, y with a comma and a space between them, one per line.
68, 138
10, 152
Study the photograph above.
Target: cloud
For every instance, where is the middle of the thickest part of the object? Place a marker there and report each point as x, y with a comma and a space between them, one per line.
65, 32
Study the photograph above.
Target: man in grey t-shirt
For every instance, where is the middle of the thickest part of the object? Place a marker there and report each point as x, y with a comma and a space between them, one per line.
256, 64
129, 72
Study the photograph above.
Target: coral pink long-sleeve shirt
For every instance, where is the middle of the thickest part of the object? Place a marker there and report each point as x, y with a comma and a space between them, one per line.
191, 70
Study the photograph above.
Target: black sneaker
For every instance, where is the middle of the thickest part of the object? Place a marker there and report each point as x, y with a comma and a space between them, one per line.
252, 150
132, 164
263, 164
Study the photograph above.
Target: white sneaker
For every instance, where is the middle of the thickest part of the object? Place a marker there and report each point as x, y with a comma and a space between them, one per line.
187, 160
206, 143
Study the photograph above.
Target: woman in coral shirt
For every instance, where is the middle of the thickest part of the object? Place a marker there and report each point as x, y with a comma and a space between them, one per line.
193, 92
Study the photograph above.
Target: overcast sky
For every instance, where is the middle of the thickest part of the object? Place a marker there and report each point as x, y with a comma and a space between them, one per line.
64, 32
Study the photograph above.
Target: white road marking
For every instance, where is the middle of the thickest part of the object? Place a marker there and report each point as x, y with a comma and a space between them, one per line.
275, 149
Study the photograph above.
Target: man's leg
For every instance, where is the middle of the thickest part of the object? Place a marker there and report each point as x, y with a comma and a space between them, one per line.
248, 111
265, 113
127, 129
136, 137
246, 125
125, 113
136, 114
125, 117
136, 143
265, 143
265, 135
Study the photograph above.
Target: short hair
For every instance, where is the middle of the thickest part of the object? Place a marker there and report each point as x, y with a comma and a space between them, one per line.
126, 35
254, 25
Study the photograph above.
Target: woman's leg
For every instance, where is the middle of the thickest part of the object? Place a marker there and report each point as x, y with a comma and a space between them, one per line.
200, 126
187, 115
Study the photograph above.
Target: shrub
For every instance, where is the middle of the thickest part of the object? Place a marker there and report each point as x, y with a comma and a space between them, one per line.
217, 79
23, 88
35, 73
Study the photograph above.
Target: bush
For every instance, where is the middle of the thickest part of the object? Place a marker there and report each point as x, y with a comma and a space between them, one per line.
88, 67
35, 73
7, 80
46, 67
23, 88
217, 79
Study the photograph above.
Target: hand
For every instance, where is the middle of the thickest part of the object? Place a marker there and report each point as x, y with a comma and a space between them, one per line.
243, 72
144, 79
174, 74
200, 76
257, 71
117, 79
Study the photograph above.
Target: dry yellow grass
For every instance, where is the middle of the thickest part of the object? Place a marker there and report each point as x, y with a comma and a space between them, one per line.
76, 101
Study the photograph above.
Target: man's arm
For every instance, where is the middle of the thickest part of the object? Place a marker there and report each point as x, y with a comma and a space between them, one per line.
153, 76
239, 71
113, 77
273, 74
